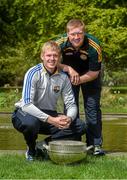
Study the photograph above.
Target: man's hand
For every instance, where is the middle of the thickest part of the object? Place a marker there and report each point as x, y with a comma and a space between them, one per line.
60, 122
74, 76
65, 119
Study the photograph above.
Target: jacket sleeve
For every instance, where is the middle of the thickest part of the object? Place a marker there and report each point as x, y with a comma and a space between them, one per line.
69, 99
28, 94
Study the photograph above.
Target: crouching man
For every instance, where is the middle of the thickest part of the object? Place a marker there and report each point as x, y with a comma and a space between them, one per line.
36, 113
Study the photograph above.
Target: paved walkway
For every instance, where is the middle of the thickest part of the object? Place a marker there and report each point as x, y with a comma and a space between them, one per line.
12, 152
117, 154
104, 115
21, 152
110, 116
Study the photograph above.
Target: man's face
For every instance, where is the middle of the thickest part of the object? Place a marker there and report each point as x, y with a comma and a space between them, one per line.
50, 59
76, 36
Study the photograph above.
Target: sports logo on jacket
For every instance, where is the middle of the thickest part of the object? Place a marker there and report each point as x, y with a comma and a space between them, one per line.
83, 55
69, 51
56, 89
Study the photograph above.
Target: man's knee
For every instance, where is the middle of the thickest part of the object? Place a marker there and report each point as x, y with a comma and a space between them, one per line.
79, 126
24, 122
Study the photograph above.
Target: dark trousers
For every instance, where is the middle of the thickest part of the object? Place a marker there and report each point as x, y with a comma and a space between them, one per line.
31, 126
91, 92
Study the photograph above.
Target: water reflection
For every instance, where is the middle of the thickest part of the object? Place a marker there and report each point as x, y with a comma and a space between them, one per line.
10, 139
114, 135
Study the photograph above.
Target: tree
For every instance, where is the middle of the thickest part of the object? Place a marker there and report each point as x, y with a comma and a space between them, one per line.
25, 25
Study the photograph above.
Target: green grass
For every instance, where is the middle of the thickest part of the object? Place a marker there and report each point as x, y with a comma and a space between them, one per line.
113, 103
115, 109
108, 167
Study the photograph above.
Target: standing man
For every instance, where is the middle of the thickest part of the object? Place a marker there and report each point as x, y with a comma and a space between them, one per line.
36, 113
82, 58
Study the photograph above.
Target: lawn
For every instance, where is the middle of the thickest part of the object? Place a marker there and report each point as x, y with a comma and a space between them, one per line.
108, 167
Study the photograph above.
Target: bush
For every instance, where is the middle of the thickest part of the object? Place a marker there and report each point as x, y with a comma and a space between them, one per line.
14, 62
113, 102
8, 98
115, 78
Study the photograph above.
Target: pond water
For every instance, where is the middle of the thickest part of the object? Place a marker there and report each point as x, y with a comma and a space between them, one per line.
114, 135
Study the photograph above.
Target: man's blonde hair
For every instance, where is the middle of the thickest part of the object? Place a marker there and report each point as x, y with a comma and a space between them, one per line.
74, 23
50, 45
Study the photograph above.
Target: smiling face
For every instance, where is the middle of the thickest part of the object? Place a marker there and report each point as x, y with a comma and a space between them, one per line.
50, 56
50, 59
75, 32
76, 36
